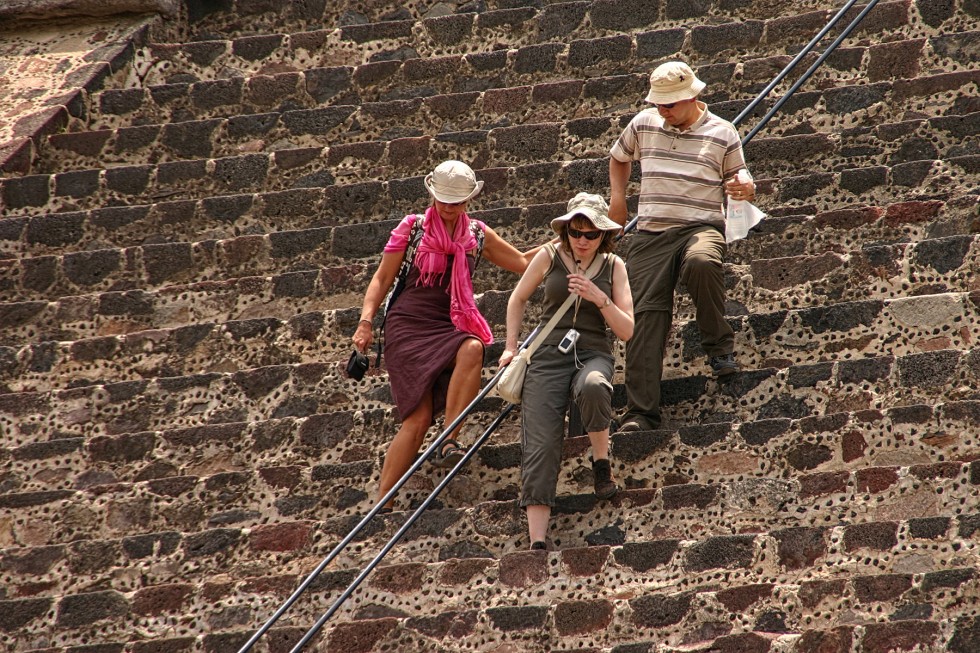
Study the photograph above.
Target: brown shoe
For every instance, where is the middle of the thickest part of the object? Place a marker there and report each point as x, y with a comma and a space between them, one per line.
723, 365
604, 486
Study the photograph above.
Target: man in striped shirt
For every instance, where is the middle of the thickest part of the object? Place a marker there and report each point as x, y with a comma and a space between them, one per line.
688, 158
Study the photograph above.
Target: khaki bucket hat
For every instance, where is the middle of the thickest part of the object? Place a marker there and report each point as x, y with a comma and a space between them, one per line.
672, 82
453, 182
589, 206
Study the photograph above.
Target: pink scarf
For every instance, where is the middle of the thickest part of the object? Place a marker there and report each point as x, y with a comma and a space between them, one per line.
431, 261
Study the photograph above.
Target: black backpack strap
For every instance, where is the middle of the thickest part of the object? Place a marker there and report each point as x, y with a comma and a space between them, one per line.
414, 239
480, 236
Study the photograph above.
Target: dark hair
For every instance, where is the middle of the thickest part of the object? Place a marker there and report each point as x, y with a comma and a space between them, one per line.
606, 244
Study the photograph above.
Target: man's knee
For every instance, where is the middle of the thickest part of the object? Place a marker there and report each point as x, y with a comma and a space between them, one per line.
699, 263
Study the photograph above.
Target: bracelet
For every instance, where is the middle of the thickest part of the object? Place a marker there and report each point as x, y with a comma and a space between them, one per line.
605, 303
368, 321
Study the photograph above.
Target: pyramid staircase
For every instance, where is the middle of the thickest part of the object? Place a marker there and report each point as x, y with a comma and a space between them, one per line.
190, 211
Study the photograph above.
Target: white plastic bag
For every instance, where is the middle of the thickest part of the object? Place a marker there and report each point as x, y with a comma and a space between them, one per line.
741, 215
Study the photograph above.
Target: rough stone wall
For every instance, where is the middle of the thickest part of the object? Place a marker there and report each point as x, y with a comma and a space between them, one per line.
55, 52
182, 256
46, 9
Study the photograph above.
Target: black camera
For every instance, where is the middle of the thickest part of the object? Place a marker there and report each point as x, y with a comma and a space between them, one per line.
357, 365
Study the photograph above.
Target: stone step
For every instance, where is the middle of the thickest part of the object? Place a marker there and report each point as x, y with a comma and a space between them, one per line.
583, 26
241, 112
826, 191
171, 265
781, 582
550, 62
227, 217
829, 453
415, 134
755, 280
50, 71
494, 153
250, 18
335, 264
797, 363
617, 625
756, 529
764, 288
744, 617
786, 233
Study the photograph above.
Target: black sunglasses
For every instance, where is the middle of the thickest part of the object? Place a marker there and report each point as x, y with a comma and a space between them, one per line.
588, 235
667, 106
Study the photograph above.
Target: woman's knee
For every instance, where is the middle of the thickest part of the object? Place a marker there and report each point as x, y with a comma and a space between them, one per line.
595, 388
417, 423
470, 354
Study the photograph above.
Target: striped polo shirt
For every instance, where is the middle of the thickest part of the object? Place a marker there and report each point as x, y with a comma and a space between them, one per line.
682, 171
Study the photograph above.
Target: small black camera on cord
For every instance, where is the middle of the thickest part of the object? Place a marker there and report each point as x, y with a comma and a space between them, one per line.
357, 365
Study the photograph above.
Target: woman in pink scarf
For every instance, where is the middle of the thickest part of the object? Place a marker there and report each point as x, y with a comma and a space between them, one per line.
434, 333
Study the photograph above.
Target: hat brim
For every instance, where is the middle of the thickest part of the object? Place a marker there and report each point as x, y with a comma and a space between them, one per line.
599, 220
450, 197
689, 93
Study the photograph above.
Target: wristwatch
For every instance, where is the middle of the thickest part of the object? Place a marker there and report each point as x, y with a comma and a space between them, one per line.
605, 303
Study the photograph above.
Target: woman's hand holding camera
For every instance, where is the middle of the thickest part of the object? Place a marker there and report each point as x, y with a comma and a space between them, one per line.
363, 336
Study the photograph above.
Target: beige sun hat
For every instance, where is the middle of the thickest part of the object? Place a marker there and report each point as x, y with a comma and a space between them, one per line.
453, 182
589, 206
672, 82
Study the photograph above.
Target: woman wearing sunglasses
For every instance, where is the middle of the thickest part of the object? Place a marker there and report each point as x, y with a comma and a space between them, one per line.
567, 366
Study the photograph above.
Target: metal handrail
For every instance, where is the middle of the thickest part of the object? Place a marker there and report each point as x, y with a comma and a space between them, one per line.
796, 85
408, 524
792, 64
437, 442
809, 72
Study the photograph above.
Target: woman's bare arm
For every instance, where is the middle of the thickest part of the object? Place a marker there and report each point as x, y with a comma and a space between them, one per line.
377, 289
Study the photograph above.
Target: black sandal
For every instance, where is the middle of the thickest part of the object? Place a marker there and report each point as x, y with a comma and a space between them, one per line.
450, 454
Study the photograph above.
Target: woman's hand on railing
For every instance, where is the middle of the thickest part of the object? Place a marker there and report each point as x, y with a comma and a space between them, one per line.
506, 357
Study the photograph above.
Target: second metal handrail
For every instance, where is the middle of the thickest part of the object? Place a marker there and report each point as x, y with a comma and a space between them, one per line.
404, 528
431, 449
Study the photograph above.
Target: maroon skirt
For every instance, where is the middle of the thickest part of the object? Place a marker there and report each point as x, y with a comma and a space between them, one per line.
421, 343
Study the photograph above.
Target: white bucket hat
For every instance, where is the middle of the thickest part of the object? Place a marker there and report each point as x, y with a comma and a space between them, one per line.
672, 82
589, 206
453, 182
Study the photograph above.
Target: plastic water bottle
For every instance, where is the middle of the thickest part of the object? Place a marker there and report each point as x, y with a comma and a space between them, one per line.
740, 215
